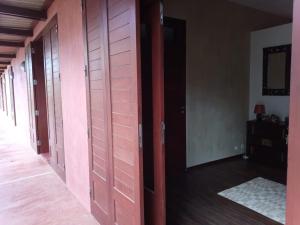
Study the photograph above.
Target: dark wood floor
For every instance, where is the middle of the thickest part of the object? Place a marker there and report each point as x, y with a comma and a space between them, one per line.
192, 198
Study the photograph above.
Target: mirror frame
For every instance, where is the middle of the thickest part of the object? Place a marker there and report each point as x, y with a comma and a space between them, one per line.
271, 50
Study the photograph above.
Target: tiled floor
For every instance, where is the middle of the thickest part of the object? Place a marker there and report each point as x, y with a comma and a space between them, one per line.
30, 192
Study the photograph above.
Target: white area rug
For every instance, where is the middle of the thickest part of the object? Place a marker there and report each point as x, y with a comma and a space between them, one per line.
263, 196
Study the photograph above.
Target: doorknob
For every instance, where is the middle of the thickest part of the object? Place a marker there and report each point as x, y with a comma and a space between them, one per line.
182, 109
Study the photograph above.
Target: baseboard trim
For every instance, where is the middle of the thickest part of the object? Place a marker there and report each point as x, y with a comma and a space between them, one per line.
228, 159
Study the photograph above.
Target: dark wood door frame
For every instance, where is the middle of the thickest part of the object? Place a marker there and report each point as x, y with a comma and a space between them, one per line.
155, 199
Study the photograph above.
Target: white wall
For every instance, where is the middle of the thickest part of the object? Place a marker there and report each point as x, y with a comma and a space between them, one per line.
275, 36
217, 75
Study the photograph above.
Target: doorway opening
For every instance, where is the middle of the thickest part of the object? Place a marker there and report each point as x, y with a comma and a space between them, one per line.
217, 74
44, 91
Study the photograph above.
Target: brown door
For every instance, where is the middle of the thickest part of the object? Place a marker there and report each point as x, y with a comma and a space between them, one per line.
30, 94
54, 103
40, 96
114, 72
100, 169
175, 92
12, 95
155, 211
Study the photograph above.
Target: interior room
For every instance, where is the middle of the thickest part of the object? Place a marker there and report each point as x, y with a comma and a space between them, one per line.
227, 67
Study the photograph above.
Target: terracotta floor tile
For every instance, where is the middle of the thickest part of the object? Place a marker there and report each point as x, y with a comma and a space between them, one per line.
30, 192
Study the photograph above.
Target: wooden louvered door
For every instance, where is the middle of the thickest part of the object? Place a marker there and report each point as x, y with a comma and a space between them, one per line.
54, 102
30, 95
114, 74
12, 95
98, 111
124, 51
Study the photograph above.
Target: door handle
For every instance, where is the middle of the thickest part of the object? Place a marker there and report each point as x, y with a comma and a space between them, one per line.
182, 110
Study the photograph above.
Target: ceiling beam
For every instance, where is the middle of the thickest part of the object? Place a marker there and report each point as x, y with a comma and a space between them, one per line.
22, 12
11, 44
5, 63
10, 56
5, 30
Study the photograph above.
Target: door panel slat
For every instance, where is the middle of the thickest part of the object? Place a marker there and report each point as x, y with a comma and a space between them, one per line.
54, 102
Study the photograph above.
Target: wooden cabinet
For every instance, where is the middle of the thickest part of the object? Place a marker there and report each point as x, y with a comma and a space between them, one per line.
267, 142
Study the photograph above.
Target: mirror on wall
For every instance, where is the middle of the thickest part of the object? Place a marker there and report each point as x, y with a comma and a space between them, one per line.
277, 70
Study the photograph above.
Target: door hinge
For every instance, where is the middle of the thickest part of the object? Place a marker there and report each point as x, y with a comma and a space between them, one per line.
82, 6
161, 13
36, 112
89, 133
91, 193
163, 132
85, 71
38, 143
141, 136
35, 82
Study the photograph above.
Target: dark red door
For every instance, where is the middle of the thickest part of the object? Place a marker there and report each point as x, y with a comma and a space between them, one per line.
155, 197
54, 103
40, 96
175, 95
114, 73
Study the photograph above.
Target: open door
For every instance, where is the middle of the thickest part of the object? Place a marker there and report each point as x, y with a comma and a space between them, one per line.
12, 95
54, 100
30, 94
113, 66
153, 92
37, 97
293, 184
40, 96
95, 21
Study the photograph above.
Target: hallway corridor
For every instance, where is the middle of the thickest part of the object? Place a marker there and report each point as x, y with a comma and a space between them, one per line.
30, 192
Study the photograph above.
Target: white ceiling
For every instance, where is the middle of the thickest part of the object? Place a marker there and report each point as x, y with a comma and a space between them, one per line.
277, 7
